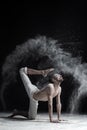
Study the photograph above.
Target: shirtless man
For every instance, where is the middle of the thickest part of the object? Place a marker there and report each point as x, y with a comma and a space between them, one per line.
47, 93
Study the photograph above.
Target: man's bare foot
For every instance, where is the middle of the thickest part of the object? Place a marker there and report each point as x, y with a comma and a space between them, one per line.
45, 72
13, 114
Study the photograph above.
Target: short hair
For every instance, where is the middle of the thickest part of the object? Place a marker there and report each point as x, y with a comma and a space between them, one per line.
54, 75
51, 75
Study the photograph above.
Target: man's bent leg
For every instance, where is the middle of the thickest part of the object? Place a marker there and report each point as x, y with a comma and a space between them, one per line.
26, 81
17, 112
33, 109
30, 88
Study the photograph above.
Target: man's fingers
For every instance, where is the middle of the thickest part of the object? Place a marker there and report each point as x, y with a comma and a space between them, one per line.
52, 69
56, 121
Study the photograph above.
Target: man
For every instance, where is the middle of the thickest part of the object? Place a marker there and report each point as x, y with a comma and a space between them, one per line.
47, 93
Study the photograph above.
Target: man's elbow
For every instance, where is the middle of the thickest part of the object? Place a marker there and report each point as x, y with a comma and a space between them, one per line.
50, 105
58, 104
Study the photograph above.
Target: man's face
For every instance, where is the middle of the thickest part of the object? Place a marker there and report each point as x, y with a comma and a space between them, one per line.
57, 78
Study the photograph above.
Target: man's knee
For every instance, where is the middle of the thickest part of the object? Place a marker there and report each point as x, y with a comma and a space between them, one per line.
31, 118
23, 70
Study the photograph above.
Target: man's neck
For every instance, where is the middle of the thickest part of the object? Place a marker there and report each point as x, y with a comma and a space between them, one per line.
57, 84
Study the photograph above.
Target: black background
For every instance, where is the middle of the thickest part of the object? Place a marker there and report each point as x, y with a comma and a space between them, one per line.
64, 20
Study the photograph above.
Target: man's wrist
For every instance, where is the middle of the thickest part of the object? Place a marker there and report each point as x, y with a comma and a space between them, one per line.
42, 72
51, 120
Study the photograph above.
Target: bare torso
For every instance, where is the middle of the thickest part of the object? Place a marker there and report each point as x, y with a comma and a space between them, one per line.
42, 95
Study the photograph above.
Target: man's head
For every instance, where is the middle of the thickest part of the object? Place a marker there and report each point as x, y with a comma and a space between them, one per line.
57, 78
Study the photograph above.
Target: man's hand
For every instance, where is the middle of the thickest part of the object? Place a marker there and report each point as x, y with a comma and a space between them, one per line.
55, 121
45, 72
61, 120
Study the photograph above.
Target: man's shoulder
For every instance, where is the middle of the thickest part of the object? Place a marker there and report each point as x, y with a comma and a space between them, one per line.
50, 85
59, 89
50, 88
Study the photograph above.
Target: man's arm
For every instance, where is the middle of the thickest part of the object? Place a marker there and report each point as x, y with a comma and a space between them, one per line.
58, 104
50, 107
39, 72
